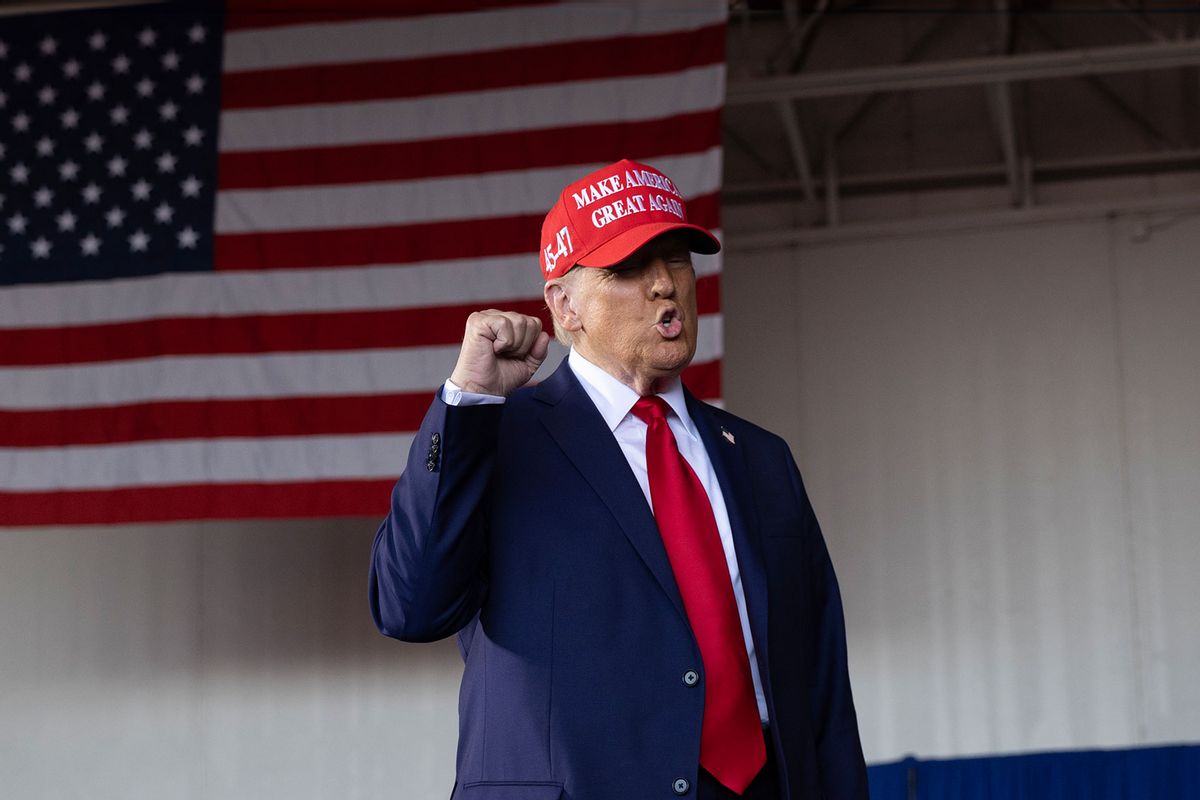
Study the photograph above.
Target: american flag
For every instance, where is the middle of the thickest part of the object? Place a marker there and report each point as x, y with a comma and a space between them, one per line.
239, 247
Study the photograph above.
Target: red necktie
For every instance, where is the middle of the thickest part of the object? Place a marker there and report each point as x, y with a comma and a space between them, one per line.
731, 739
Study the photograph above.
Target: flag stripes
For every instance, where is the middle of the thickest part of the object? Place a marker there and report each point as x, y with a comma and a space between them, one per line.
223, 294
393, 161
339, 330
455, 239
204, 419
490, 27
227, 500
279, 374
475, 113
529, 65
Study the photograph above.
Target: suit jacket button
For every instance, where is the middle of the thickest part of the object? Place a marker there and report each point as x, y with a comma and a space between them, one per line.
691, 678
680, 786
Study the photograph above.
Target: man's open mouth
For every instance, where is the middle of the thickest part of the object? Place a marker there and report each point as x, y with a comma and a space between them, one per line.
669, 324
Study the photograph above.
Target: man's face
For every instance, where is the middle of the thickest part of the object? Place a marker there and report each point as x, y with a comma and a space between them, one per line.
639, 318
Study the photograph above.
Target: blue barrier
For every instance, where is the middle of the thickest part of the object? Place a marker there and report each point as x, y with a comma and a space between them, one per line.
1147, 773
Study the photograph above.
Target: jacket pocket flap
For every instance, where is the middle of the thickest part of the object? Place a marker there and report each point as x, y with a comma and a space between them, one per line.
512, 790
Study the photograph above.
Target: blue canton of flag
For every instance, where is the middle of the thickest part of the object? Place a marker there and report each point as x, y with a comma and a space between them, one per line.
108, 152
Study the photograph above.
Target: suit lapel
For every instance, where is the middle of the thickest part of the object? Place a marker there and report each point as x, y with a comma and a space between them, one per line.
729, 463
576, 425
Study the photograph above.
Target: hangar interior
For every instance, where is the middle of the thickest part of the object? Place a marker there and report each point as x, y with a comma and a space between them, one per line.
960, 278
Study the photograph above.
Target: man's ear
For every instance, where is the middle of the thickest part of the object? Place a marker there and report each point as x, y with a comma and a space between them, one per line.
562, 305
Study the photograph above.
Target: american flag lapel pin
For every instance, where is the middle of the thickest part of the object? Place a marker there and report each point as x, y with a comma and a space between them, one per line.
728, 436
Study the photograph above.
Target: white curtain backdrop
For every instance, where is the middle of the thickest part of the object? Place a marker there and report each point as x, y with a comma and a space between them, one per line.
1000, 432
219, 661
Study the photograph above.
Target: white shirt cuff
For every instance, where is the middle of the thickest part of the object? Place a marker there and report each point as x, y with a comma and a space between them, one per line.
452, 395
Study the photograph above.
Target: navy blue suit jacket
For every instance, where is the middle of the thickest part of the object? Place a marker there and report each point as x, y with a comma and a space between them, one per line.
522, 528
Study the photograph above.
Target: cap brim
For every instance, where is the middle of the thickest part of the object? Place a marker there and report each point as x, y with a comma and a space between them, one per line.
623, 245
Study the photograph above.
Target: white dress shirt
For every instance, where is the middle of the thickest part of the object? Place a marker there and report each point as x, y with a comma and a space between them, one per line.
614, 400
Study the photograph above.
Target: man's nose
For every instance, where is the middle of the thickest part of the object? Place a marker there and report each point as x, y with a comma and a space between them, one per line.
662, 280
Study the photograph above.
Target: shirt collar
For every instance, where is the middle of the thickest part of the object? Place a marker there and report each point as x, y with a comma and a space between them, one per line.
614, 400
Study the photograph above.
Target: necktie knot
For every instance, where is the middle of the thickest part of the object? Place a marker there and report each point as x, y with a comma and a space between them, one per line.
650, 408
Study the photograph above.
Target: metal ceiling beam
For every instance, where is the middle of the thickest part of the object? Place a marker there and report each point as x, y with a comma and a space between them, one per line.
1140, 20
791, 125
984, 175
1000, 97
1186, 203
967, 72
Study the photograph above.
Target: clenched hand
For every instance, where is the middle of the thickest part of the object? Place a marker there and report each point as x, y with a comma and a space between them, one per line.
500, 352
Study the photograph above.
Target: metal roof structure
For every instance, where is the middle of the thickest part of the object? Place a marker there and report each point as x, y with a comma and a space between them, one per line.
875, 115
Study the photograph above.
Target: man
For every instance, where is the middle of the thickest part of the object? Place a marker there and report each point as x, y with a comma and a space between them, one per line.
643, 598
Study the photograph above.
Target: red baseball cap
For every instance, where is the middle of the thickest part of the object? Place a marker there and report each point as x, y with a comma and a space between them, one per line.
602, 218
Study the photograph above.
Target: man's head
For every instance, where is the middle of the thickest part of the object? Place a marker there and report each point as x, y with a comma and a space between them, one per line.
616, 254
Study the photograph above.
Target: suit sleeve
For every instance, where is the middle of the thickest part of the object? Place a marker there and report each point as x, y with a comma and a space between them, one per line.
428, 576
835, 729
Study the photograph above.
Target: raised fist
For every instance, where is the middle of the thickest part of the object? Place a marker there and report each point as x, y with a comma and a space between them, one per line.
500, 352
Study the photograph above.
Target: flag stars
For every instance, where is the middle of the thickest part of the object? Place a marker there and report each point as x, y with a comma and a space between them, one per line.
95, 91
138, 241
187, 238
48, 46
91, 194
166, 162
163, 213
66, 221
93, 142
191, 186
23, 72
89, 245
145, 87
195, 84
97, 41
68, 171
71, 69
193, 136
43, 197
45, 147
143, 139
46, 95
69, 118
3, 50
116, 166
115, 217
170, 60
120, 64
40, 247
147, 37
20, 122
17, 223
168, 111
196, 33
119, 115
3, 99
19, 173
140, 189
